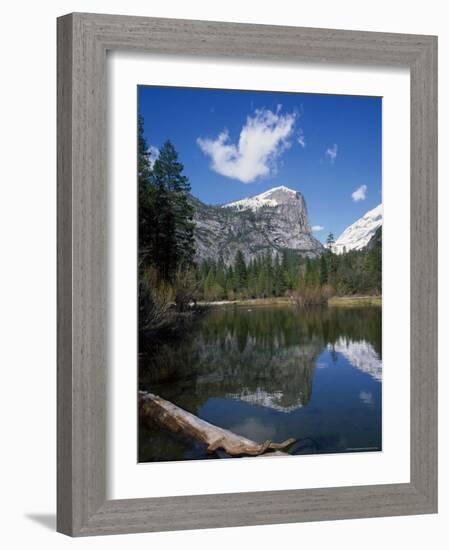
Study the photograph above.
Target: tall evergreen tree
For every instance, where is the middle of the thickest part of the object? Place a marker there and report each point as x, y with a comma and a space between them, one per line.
330, 241
220, 275
174, 212
147, 229
323, 270
240, 273
308, 273
230, 281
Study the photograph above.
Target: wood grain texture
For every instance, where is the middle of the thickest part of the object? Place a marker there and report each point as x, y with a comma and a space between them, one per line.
423, 274
83, 40
64, 277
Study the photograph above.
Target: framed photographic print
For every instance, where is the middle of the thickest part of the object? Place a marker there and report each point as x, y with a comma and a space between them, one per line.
247, 284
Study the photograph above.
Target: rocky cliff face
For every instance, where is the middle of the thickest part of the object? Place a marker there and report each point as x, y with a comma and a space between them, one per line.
272, 221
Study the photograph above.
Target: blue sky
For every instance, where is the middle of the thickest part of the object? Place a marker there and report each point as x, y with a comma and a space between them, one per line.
236, 143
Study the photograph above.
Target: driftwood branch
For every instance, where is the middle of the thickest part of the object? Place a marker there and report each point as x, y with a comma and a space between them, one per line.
171, 417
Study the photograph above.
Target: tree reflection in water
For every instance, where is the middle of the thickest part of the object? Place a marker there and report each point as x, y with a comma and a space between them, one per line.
272, 373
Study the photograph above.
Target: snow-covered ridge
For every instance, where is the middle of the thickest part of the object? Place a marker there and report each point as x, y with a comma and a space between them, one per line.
358, 235
273, 197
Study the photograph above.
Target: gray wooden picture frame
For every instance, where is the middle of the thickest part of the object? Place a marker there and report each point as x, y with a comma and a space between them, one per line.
83, 40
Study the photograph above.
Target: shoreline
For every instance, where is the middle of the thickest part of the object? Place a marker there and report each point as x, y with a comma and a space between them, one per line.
336, 301
349, 301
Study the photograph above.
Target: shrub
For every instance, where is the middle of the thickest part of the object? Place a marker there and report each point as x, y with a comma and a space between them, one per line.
315, 295
213, 292
155, 299
185, 288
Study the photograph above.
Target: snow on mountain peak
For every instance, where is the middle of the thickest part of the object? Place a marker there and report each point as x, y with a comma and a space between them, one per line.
358, 235
273, 197
279, 188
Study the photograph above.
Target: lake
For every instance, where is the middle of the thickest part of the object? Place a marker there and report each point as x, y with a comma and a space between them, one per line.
272, 372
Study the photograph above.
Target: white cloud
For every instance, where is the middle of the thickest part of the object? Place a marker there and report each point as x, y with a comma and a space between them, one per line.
153, 154
317, 228
301, 138
263, 138
360, 193
331, 153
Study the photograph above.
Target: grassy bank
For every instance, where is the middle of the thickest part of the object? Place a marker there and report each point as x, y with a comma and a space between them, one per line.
273, 301
343, 301
350, 301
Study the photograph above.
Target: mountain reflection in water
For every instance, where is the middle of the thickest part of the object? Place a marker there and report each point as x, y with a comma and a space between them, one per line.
272, 373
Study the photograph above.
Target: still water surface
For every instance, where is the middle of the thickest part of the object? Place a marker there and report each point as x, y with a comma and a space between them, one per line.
272, 373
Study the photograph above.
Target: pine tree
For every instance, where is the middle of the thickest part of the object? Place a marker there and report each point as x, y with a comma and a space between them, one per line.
240, 272
268, 273
323, 270
209, 285
230, 283
220, 275
308, 275
146, 201
250, 278
279, 286
174, 212
330, 241
143, 160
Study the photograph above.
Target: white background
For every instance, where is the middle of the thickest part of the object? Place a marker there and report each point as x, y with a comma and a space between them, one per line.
27, 290
131, 480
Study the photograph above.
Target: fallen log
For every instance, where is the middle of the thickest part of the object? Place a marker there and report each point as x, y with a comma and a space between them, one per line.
169, 416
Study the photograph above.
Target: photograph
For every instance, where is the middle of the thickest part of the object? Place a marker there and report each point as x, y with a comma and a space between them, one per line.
259, 273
